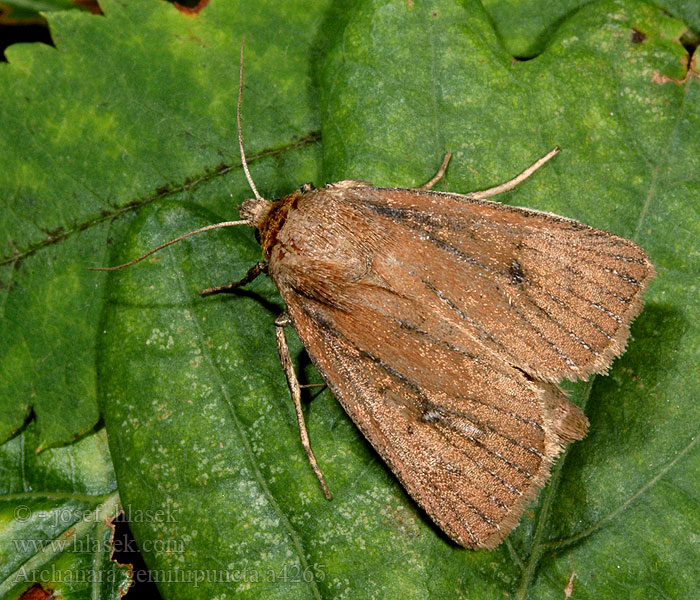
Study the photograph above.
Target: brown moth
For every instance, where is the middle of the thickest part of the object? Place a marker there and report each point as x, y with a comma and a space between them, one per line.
442, 323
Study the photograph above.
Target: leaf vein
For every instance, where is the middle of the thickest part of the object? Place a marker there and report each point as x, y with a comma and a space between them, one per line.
291, 531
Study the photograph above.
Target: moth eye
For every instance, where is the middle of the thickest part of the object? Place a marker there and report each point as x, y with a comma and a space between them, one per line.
306, 188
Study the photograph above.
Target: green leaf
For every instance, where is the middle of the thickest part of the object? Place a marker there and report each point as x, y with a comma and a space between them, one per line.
38, 6
527, 26
100, 137
56, 510
195, 404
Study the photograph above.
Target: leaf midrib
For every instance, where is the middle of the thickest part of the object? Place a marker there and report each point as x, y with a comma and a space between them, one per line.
537, 549
192, 184
260, 479
612, 514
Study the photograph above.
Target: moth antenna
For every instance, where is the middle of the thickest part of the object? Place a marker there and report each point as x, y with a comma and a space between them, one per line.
238, 121
168, 243
216, 225
509, 185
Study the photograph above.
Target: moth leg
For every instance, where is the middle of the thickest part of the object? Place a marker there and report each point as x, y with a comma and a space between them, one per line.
509, 185
295, 390
438, 175
253, 272
313, 385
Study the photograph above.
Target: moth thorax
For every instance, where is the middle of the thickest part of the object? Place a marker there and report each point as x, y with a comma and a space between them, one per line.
255, 211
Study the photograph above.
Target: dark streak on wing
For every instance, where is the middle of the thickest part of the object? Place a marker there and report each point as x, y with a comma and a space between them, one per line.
429, 227
422, 400
411, 216
419, 220
327, 328
451, 347
474, 399
488, 336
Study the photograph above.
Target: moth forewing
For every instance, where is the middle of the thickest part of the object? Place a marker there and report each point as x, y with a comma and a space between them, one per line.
442, 323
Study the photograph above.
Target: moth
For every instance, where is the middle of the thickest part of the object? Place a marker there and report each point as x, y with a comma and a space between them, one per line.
442, 323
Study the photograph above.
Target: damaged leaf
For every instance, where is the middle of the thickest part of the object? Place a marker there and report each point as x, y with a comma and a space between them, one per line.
55, 532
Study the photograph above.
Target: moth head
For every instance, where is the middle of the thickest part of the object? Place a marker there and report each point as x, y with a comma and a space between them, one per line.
255, 210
